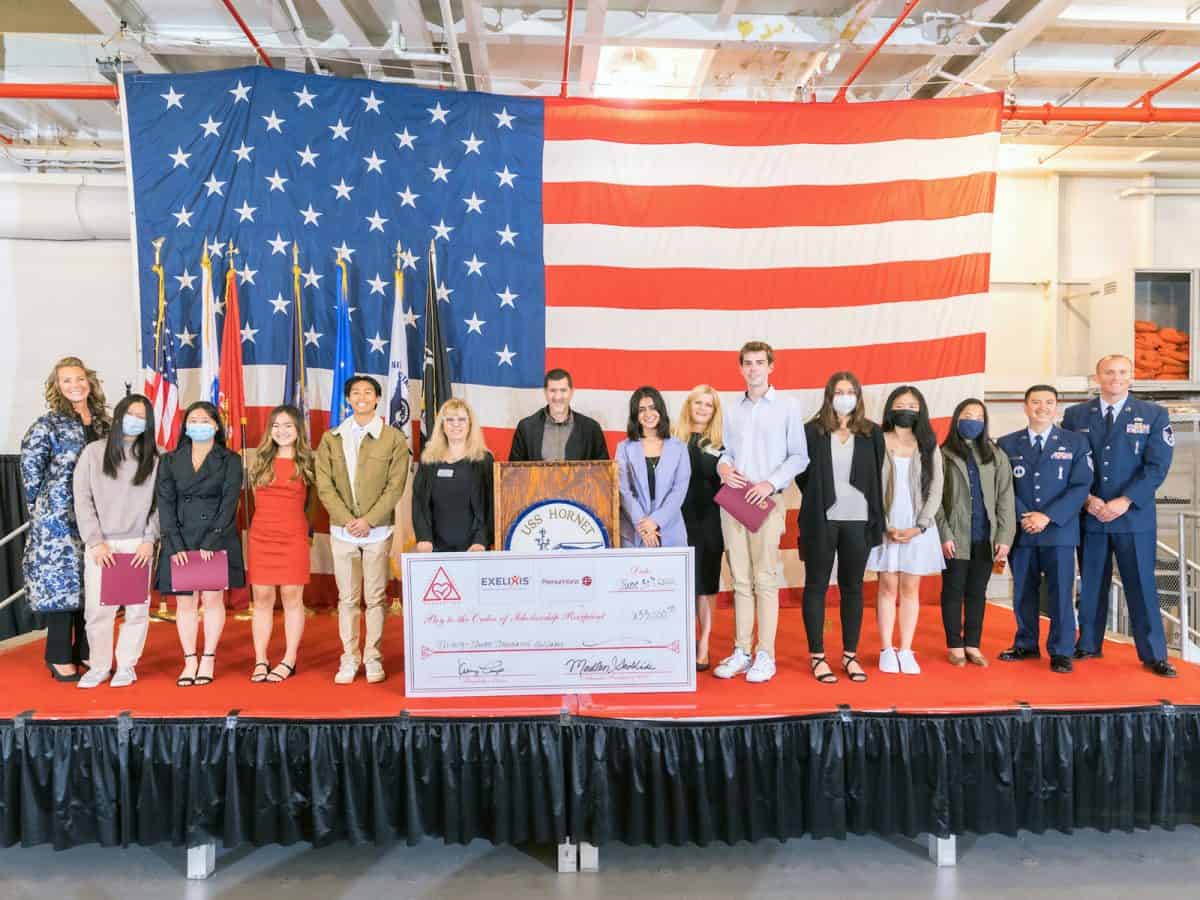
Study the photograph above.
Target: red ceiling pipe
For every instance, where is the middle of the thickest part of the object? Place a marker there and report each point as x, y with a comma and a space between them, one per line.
5, 139
1048, 113
562, 90
13, 91
908, 7
249, 36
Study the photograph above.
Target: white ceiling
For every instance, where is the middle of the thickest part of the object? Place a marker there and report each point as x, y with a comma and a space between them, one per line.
1091, 52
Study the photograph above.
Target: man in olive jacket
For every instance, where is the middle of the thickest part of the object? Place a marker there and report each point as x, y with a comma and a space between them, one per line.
362, 466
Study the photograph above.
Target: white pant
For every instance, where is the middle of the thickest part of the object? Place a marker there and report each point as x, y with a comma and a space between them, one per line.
361, 570
99, 620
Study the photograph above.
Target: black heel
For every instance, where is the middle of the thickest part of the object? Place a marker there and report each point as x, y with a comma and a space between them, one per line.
825, 678
274, 677
59, 676
202, 680
848, 658
182, 680
255, 678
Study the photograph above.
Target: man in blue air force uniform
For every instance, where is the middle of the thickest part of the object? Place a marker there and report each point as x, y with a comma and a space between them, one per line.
1132, 445
1051, 477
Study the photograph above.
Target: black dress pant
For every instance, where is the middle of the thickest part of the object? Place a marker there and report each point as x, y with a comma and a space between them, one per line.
964, 596
849, 541
66, 639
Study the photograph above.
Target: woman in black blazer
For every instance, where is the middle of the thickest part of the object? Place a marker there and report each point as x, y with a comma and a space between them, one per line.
841, 513
199, 484
452, 490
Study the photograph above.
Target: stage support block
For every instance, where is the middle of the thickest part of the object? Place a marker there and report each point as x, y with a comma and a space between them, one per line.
943, 851
568, 858
202, 860
589, 857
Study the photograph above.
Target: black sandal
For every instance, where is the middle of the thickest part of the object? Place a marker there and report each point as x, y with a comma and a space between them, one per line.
202, 680
255, 678
827, 677
274, 677
859, 676
183, 681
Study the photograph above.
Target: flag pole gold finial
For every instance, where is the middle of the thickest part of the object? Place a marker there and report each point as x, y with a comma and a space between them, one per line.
158, 243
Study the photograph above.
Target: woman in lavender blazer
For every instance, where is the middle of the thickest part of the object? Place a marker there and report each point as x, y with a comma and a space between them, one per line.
653, 472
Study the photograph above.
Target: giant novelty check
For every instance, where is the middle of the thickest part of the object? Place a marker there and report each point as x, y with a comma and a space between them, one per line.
591, 621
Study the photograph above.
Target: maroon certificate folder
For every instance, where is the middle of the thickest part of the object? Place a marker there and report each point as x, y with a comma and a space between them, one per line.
734, 502
198, 575
123, 584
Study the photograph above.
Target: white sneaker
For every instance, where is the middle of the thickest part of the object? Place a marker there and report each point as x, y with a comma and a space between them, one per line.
375, 672
908, 662
734, 664
346, 673
763, 668
93, 679
124, 678
888, 663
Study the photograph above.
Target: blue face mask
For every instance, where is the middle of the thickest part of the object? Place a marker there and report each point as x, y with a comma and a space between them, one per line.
132, 425
970, 428
201, 432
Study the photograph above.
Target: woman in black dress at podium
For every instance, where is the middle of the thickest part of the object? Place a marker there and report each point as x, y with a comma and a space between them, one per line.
452, 490
699, 425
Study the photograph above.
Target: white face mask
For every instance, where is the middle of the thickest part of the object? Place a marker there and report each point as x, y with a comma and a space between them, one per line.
844, 404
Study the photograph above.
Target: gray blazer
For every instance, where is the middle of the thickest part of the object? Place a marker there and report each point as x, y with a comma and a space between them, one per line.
927, 510
671, 480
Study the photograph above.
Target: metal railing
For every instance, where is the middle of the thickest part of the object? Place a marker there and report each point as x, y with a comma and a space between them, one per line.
12, 536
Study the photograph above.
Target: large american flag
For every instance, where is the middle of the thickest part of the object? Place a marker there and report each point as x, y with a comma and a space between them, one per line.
631, 243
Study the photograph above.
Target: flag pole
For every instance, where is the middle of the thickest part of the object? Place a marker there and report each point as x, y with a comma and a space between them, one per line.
163, 613
397, 606
247, 496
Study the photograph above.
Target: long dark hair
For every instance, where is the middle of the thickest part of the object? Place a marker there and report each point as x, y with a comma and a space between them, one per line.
826, 418
633, 428
922, 431
144, 448
211, 410
959, 446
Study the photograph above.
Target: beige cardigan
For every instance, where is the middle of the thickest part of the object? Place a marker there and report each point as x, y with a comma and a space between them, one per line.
927, 511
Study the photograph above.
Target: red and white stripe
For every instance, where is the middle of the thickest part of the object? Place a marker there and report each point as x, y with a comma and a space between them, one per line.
168, 413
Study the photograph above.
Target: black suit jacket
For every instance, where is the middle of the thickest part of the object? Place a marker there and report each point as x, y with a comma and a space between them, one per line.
816, 483
198, 510
586, 440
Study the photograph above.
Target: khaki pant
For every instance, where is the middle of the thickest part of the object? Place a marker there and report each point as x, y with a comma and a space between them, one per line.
368, 562
755, 567
99, 620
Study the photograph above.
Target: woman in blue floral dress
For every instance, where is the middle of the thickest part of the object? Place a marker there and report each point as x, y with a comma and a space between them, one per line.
53, 563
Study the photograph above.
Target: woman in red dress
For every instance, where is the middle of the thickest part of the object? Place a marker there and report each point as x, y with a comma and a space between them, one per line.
279, 542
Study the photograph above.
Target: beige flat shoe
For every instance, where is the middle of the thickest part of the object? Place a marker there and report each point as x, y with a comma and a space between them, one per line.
977, 659
956, 660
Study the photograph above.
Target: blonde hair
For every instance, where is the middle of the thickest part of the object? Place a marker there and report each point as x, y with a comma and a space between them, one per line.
437, 449
57, 401
711, 436
263, 472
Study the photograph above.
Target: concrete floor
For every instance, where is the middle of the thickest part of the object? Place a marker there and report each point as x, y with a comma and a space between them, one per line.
1087, 864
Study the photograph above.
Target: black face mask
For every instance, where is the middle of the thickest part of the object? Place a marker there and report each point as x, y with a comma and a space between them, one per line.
904, 418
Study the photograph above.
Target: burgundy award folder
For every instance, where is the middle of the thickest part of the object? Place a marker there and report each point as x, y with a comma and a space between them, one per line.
734, 502
124, 584
198, 575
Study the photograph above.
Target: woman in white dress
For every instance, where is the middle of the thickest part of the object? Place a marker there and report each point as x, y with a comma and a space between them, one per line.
912, 493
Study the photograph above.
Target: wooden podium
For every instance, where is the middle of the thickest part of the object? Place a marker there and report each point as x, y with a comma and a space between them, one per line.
590, 486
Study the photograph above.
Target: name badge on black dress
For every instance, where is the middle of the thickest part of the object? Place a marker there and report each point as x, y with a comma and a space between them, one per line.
445, 473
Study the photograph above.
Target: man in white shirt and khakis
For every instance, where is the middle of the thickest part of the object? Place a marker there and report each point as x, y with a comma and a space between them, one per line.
362, 466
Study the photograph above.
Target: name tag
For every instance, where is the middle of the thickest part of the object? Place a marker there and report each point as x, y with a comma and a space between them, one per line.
1062, 454
445, 473
1137, 428
713, 451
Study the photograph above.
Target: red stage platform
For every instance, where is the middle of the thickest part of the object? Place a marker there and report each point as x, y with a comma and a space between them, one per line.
1117, 681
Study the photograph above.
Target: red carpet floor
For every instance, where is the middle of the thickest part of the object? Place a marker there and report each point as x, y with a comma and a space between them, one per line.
1118, 680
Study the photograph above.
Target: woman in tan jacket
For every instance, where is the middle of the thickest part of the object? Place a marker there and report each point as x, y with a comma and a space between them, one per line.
912, 493
976, 521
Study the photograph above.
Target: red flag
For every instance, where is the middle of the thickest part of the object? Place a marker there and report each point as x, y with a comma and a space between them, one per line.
231, 388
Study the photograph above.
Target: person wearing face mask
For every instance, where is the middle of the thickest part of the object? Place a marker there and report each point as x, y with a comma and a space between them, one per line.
199, 485
699, 426
53, 562
1051, 474
841, 515
362, 468
452, 488
912, 493
976, 523
283, 479
653, 473
115, 509
1132, 445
